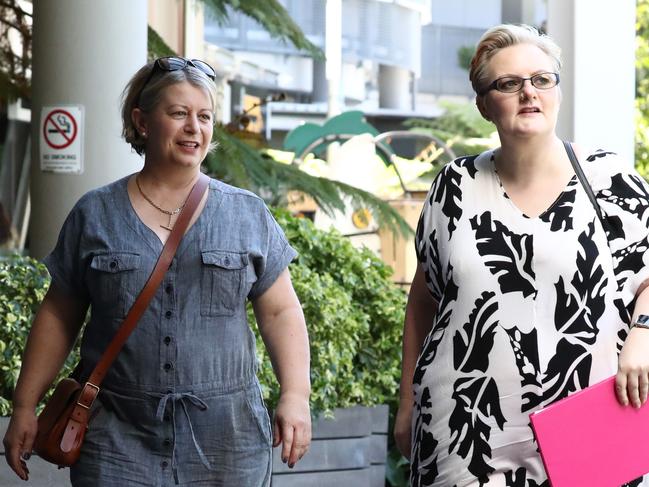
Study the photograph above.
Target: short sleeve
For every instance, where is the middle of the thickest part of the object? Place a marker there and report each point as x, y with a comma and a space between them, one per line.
624, 198
427, 239
278, 255
64, 263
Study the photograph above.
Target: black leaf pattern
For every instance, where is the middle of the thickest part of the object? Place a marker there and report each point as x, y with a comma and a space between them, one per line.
476, 403
519, 479
559, 216
568, 371
434, 273
421, 241
526, 352
581, 304
472, 344
629, 259
429, 348
423, 466
468, 163
634, 483
507, 255
629, 192
598, 155
516, 479
448, 191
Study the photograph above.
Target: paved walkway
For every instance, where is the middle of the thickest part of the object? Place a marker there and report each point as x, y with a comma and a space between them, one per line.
41, 474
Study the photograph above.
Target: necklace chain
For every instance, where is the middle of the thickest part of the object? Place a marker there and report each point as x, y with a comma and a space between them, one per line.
169, 213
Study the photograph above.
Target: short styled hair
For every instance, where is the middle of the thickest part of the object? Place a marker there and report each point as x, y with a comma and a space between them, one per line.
143, 94
507, 35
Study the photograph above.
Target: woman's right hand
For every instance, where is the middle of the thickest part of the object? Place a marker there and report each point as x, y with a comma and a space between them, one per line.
19, 439
402, 429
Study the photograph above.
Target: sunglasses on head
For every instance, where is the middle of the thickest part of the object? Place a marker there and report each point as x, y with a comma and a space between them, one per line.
175, 63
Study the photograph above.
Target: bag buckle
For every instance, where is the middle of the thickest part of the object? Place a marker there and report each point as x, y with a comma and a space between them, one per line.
93, 395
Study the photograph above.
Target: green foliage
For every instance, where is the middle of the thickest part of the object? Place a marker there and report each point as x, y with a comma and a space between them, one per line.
156, 46
239, 164
462, 119
354, 315
23, 284
271, 15
464, 56
642, 88
397, 469
459, 126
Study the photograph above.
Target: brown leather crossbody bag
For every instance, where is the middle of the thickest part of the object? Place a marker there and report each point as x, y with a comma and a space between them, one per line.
63, 423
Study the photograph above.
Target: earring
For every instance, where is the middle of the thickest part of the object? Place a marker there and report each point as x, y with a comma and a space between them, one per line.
143, 134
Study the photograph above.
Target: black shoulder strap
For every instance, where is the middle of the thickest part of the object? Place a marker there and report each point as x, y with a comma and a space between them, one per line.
584, 182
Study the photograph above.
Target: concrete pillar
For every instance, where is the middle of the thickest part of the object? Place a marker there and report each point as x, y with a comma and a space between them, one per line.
333, 52
237, 95
519, 11
83, 54
598, 77
320, 91
395, 90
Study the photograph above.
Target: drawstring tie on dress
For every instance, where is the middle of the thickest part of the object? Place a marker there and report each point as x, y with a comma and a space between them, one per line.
183, 398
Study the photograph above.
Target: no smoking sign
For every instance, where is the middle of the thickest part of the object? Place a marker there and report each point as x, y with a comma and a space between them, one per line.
61, 137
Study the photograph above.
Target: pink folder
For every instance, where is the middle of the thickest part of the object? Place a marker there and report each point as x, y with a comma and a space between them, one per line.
589, 439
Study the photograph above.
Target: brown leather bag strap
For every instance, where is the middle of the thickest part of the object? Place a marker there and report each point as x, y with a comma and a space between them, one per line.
91, 387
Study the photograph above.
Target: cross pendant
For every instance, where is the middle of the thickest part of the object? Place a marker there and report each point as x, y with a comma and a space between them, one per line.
168, 227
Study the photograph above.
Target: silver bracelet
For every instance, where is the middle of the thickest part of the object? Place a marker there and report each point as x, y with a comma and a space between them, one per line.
642, 321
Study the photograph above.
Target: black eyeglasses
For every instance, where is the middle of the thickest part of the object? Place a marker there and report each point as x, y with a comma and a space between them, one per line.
512, 84
175, 63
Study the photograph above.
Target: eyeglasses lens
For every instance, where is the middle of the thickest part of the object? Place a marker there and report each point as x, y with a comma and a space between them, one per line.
513, 84
543, 80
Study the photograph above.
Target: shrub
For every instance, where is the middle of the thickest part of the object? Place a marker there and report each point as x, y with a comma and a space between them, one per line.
353, 312
23, 284
354, 315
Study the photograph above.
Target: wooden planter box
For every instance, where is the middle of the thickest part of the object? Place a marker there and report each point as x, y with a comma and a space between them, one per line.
347, 451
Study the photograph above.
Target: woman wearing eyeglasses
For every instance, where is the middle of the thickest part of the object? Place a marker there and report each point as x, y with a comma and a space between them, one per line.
517, 301
181, 404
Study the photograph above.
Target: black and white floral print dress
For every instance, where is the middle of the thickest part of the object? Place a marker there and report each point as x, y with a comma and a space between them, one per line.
530, 311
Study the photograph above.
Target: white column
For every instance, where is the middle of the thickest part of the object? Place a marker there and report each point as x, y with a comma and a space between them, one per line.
320, 90
598, 78
394, 87
84, 54
333, 52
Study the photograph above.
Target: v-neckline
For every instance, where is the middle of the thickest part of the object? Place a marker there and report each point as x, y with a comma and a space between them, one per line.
504, 194
147, 232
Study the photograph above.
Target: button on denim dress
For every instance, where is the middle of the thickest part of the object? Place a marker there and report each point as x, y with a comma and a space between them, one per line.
181, 405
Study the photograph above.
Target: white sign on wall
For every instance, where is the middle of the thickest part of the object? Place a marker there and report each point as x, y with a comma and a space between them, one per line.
61, 137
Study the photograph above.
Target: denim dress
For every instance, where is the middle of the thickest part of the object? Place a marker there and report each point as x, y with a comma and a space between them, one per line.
181, 404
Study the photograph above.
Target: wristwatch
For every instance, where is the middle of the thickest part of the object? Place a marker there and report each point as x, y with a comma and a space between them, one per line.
642, 321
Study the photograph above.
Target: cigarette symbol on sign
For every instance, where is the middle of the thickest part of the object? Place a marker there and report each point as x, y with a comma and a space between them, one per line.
63, 126
59, 129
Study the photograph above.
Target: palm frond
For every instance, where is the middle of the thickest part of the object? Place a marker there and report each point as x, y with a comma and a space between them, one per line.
271, 15
156, 46
236, 163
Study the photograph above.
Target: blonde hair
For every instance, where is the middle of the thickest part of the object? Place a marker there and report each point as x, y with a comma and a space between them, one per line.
507, 35
143, 94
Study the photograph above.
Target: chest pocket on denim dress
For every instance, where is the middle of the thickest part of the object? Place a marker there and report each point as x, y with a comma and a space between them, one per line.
222, 282
112, 282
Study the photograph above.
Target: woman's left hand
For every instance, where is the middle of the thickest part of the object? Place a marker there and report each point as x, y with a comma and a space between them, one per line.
632, 379
292, 427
